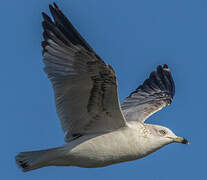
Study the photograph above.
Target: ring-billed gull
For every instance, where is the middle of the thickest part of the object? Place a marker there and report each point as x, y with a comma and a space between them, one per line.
99, 131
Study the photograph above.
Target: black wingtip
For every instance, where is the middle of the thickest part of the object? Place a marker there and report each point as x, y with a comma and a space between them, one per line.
165, 66
159, 79
159, 68
55, 5
44, 44
44, 25
54, 8
46, 17
54, 11
43, 14
51, 8
63, 29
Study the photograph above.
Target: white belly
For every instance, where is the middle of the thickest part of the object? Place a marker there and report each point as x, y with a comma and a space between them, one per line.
106, 149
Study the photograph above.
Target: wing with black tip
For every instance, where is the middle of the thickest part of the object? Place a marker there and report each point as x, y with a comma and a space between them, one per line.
155, 93
85, 87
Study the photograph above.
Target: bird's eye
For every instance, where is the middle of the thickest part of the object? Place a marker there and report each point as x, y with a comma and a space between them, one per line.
162, 132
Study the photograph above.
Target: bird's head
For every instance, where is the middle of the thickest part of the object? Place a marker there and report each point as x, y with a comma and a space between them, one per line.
165, 135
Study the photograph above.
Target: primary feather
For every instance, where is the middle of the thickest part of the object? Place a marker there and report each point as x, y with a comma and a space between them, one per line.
155, 93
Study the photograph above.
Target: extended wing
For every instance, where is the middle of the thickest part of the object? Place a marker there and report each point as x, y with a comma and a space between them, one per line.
155, 93
85, 87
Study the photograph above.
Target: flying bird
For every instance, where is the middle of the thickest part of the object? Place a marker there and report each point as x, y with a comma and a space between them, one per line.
99, 130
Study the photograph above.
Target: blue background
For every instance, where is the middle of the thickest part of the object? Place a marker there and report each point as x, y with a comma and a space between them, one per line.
134, 37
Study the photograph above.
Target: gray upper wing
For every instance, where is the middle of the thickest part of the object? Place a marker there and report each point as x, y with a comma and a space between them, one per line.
155, 93
85, 87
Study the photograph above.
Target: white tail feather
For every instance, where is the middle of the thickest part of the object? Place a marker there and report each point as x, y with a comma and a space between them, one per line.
31, 160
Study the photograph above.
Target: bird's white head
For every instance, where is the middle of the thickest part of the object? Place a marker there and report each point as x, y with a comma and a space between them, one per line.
164, 135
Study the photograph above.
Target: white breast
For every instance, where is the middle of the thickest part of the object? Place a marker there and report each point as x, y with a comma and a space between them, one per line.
109, 148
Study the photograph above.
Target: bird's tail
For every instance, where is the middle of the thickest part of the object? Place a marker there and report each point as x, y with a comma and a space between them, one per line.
31, 160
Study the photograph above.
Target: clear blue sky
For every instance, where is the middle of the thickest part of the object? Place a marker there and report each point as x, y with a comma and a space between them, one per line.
134, 37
